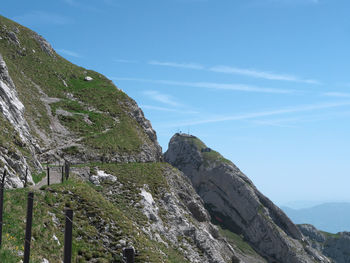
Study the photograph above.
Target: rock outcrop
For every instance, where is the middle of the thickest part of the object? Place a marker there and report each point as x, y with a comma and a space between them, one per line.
334, 246
235, 203
12, 109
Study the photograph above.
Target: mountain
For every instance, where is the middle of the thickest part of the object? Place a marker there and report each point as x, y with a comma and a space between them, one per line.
235, 204
329, 217
334, 246
52, 112
198, 207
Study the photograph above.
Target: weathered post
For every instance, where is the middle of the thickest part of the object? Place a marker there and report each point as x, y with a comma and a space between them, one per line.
62, 179
26, 178
129, 254
2, 203
48, 175
67, 170
29, 221
68, 236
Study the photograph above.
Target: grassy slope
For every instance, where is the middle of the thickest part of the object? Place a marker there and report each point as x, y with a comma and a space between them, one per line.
211, 156
49, 72
93, 213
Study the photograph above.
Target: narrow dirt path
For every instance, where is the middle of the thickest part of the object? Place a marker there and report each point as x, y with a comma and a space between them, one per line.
55, 178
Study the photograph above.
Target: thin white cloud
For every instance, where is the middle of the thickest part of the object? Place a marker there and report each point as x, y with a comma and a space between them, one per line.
212, 85
42, 18
337, 94
177, 65
120, 60
256, 115
261, 74
160, 97
68, 53
150, 107
236, 71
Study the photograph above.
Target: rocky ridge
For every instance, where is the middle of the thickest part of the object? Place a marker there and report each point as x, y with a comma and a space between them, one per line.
334, 246
235, 203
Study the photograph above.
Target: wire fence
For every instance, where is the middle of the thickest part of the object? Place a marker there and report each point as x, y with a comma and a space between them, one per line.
128, 253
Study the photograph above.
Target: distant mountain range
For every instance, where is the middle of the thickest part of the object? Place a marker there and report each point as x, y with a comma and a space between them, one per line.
329, 217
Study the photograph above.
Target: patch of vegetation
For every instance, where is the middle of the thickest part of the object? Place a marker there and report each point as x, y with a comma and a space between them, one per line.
95, 219
210, 155
37, 177
71, 150
330, 235
237, 240
135, 175
122, 138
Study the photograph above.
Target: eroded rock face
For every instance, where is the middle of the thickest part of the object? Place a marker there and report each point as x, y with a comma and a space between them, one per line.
177, 218
235, 202
150, 151
13, 111
45, 46
334, 246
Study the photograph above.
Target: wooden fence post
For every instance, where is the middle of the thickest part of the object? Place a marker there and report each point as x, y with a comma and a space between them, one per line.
67, 170
29, 221
62, 174
129, 254
2, 203
48, 175
68, 236
26, 178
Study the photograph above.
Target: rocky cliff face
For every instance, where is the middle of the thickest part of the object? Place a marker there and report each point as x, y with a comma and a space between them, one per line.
235, 203
334, 246
15, 125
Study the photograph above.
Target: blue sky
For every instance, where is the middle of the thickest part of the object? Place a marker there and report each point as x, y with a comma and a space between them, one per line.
264, 82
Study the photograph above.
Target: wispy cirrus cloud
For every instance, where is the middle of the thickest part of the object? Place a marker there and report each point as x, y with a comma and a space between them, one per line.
151, 107
68, 53
160, 97
261, 74
120, 60
177, 65
259, 114
236, 71
42, 18
212, 85
337, 94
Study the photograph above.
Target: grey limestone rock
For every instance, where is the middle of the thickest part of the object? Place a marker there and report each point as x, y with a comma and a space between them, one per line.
13, 110
334, 246
234, 202
44, 45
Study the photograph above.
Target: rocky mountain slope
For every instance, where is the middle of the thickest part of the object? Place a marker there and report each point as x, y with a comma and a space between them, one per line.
235, 203
53, 111
56, 110
334, 246
122, 194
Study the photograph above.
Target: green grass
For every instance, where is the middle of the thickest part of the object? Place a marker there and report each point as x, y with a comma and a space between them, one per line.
95, 219
209, 157
237, 241
37, 177
29, 70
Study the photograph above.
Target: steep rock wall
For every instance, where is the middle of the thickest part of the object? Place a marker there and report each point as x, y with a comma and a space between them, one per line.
235, 202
